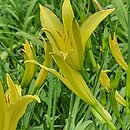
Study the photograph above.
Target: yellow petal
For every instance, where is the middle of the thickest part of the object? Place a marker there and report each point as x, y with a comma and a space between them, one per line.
43, 73
81, 88
120, 99
69, 78
104, 80
91, 23
2, 107
16, 111
117, 53
67, 16
13, 93
29, 54
72, 38
18, 87
53, 71
72, 75
51, 22
77, 39
29, 50
75, 57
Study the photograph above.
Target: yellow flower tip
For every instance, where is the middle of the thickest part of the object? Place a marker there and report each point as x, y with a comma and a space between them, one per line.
7, 76
104, 80
111, 10
37, 98
120, 99
29, 54
40, 5
91, 23
41, 8
12, 93
28, 50
10, 83
115, 50
67, 14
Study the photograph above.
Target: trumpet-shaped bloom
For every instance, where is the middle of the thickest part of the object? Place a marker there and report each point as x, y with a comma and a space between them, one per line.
68, 42
67, 37
104, 80
12, 105
117, 53
29, 54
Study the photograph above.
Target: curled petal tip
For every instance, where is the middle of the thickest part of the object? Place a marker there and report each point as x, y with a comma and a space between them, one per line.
37, 98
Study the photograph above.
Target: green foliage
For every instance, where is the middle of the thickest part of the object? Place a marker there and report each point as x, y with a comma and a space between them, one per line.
60, 109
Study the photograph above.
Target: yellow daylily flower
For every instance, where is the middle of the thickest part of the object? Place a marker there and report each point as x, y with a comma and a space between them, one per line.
68, 42
29, 54
69, 38
116, 52
105, 82
12, 105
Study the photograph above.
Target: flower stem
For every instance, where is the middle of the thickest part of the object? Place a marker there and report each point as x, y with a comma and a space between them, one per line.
109, 123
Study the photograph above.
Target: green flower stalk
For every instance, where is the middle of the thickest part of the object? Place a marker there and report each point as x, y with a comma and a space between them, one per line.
98, 117
29, 54
68, 42
128, 91
12, 105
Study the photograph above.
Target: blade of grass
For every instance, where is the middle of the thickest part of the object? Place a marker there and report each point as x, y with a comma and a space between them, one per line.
128, 30
70, 111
